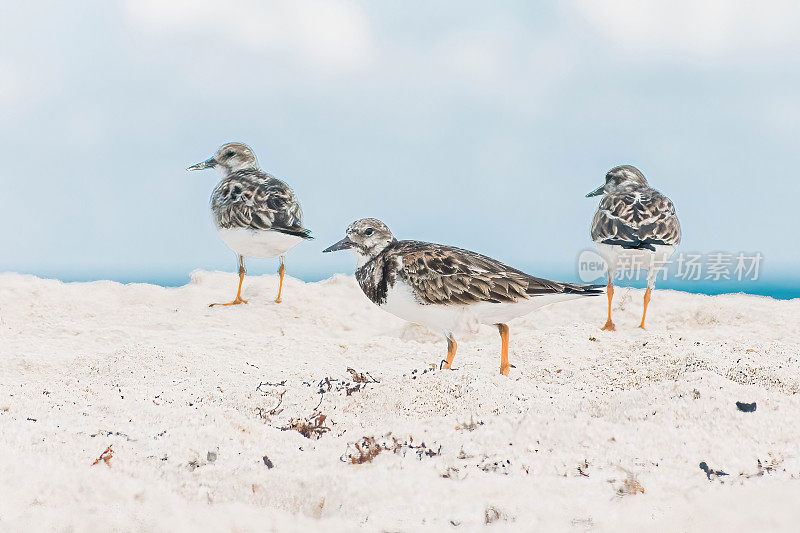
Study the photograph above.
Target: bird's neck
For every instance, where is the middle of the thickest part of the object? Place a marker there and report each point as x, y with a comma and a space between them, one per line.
364, 258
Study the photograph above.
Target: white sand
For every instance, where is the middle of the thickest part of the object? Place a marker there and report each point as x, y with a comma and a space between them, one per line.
170, 384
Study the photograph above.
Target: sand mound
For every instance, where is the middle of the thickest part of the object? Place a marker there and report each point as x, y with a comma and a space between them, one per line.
248, 418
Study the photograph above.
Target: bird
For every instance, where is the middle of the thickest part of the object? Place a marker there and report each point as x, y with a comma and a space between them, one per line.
635, 227
444, 288
255, 213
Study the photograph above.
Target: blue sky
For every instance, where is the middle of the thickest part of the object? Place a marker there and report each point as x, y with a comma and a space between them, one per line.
481, 126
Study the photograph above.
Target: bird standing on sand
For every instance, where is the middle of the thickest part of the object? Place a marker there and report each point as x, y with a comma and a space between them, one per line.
444, 288
256, 214
635, 227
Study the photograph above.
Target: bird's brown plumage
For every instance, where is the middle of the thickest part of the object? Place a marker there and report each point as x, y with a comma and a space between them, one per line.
445, 275
256, 200
636, 217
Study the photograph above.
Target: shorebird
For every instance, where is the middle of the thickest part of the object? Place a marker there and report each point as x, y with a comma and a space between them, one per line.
635, 227
444, 288
256, 214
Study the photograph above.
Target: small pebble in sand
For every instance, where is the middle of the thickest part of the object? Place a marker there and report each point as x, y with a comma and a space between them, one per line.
746, 407
710, 472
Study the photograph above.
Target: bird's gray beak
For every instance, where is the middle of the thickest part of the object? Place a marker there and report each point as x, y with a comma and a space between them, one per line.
597, 192
208, 163
344, 244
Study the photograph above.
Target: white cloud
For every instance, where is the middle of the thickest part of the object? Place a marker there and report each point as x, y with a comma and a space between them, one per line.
11, 86
699, 28
482, 56
505, 56
24, 83
326, 34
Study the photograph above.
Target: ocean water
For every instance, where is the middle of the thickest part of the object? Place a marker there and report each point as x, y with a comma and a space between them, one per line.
779, 289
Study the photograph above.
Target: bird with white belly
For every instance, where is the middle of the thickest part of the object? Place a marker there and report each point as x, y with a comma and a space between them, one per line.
447, 289
635, 227
255, 213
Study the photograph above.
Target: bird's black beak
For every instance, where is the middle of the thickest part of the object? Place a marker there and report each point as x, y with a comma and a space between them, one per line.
208, 163
344, 244
597, 192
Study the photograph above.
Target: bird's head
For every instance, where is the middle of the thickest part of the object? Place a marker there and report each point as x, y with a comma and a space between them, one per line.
230, 158
619, 178
366, 238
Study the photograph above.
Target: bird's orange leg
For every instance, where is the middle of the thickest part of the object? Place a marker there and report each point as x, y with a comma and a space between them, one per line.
452, 346
238, 300
280, 284
610, 293
646, 301
504, 366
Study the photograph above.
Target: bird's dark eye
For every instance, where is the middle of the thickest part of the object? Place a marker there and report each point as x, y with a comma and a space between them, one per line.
368, 231
229, 154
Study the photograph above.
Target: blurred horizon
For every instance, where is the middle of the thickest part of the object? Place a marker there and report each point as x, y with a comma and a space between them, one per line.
781, 287
481, 127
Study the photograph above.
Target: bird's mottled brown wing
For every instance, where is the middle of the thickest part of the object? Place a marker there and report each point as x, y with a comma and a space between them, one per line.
257, 201
441, 274
639, 218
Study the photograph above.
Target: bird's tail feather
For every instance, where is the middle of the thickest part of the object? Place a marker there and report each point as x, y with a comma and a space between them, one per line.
299, 231
577, 289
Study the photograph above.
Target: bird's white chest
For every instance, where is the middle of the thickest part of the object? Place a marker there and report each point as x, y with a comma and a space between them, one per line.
401, 302
618, 258
258, 243
456, 319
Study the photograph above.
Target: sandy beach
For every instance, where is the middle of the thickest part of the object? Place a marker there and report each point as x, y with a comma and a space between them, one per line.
137, 407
